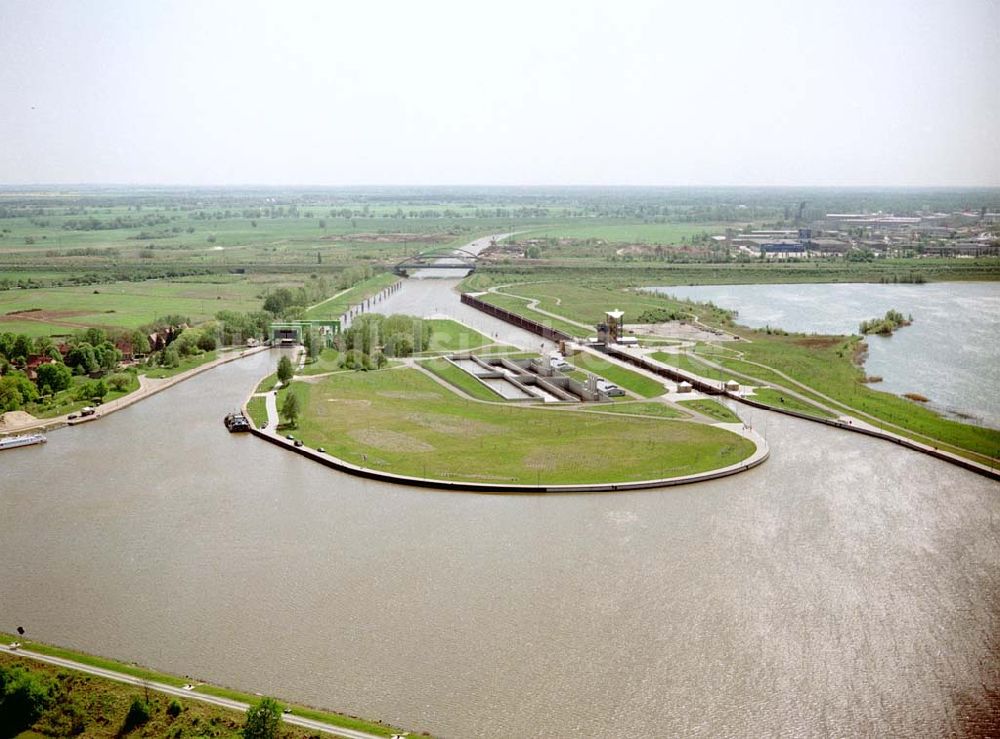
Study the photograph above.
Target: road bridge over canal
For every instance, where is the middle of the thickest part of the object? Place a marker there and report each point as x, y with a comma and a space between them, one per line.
449, 258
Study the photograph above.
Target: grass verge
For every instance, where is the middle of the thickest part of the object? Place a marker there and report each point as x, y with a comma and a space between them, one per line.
257, 408
657, 410
623, 378
188, 363
778, 399
712, 409
459, 378
234, 719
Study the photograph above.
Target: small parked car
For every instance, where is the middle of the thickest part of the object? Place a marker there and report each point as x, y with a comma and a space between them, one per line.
298, 442
290, 437
71, 416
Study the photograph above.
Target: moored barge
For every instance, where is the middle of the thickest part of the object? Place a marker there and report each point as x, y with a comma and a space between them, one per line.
12, 442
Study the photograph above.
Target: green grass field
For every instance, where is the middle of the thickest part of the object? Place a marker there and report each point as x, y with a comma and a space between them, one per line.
342, 301
412, 426
623, 378
460, 379
62, 402
257, 408
520, 307
684, 361
623, 232
772, 397
587, 302
452, 336
657, 410
62, 310
268, 383
328, 360
825, 364
187, 363
712, 409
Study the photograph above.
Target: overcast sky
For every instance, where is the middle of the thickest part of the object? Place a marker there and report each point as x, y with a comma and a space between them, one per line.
630, 92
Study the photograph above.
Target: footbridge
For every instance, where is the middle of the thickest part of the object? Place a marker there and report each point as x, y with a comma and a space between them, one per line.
444, 258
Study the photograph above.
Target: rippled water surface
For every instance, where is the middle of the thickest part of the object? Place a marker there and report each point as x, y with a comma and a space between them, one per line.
950, 354
845, 587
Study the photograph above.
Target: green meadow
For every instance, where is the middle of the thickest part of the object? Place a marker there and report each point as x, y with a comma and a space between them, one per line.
401, 421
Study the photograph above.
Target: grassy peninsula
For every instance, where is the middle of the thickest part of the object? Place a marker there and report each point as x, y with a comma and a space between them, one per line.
414, 426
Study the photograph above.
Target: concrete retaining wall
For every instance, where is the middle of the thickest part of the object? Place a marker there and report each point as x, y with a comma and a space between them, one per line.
527, 324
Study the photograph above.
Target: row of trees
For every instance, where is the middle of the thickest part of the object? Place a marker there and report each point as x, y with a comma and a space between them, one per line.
397, 335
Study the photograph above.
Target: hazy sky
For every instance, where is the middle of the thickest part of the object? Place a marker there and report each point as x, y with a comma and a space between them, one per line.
628, 92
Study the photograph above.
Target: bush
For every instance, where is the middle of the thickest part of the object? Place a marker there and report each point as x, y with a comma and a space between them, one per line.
23, 698
119, 381
138, 714
170, 357
206, 342
174, 709
263, 719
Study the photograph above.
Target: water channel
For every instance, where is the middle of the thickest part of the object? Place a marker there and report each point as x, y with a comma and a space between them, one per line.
845, 587
950, 354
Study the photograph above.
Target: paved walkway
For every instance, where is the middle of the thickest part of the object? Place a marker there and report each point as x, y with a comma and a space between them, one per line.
121, 677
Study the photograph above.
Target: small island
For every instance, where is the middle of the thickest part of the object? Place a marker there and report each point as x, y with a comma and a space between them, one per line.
884, 326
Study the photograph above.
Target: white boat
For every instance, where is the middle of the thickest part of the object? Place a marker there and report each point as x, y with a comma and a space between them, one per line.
24, 440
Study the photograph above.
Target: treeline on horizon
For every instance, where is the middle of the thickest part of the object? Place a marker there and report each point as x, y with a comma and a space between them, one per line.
626, 201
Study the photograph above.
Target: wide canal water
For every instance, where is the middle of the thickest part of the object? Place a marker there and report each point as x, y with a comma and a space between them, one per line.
950, 354
844, 587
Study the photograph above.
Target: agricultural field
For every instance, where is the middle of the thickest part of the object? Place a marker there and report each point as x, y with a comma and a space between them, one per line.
58, 311
617, 232
413, 426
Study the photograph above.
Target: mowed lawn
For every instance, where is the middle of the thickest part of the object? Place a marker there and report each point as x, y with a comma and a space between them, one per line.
402, 421
639, 384
452, 336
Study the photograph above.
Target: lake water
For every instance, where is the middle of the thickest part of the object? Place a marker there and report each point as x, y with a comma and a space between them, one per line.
950, 354
845, 587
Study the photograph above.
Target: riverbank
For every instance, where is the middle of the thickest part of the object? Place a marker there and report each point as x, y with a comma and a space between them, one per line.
147, 387
823, 368
225, 703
